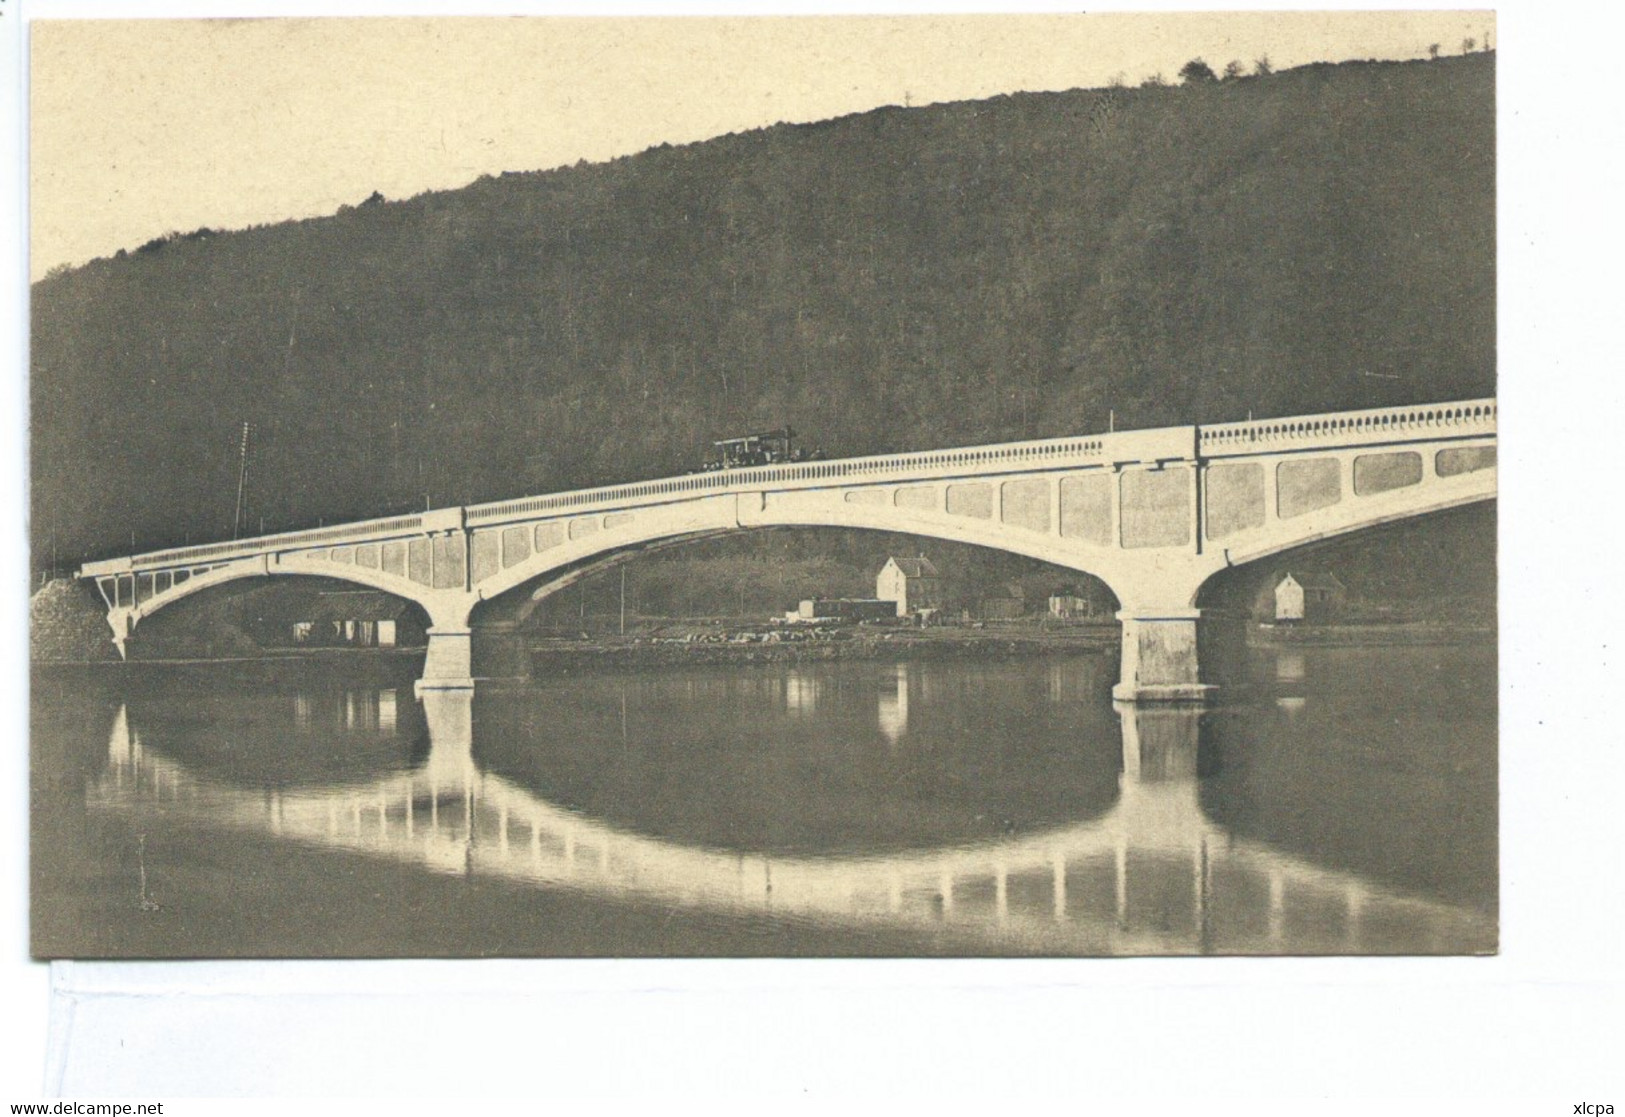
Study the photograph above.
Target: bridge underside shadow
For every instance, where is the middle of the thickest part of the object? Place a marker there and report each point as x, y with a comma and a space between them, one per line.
1437, 553
253, 617
502, 624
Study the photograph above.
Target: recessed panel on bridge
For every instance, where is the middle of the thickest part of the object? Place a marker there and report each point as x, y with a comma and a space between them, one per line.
486, 557
550, 535
1025, 504
515, 546
974, 499
922, 498
450, 570
1235, 499
1086, 507
1380, 473
1463, 459
1157, 507
418, 561
1306, 485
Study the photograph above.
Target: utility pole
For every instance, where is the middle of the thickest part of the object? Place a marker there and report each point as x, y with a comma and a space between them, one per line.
242, 482
623, 600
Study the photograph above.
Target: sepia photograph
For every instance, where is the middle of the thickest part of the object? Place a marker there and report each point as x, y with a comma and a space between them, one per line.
826, 486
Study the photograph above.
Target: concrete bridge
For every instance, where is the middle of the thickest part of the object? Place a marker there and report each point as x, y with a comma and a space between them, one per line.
1152, 513
1152, 875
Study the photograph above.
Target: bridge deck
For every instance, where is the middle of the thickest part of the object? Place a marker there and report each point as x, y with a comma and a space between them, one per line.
1301, 433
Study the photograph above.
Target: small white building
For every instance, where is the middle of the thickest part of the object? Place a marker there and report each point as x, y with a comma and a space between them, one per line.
1068, 606
358, 618
1308, 597
912, 583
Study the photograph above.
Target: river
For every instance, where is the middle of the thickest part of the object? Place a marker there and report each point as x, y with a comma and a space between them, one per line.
1343, 801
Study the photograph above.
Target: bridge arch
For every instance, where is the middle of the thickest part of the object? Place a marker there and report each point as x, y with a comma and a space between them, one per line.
124, 618
1354, 521
603, 548
1232, 589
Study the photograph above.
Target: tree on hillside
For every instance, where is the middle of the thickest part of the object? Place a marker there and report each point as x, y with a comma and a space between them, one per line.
1433, 50
1196, 71
1262, 66
1233, 70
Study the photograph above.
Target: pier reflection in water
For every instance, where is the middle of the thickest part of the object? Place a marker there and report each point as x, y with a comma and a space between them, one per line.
893, 710
1141, 868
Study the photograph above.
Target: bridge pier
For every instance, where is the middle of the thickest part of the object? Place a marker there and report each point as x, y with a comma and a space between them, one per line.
121, 619
1160, 657
449, 662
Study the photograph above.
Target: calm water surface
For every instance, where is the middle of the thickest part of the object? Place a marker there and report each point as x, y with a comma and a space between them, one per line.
1345, 802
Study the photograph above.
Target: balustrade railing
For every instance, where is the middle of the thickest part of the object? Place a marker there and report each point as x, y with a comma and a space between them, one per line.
260, 544
1460, 419
933, 463
1465, 418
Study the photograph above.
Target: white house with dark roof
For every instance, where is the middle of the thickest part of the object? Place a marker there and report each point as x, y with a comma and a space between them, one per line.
913, 583
1306, 596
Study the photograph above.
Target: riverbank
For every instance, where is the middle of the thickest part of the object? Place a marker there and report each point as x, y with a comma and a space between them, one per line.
1002, 642
548, 658
705, 645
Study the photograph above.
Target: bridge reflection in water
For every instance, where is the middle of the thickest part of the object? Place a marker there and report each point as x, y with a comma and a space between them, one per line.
1152, 875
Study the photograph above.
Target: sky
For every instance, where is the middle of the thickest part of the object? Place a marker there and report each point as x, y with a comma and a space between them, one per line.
143, 127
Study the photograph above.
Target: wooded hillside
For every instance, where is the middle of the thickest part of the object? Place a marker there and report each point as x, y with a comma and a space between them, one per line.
1319, 238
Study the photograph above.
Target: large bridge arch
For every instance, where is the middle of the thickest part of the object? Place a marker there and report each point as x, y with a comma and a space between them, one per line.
603, 547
